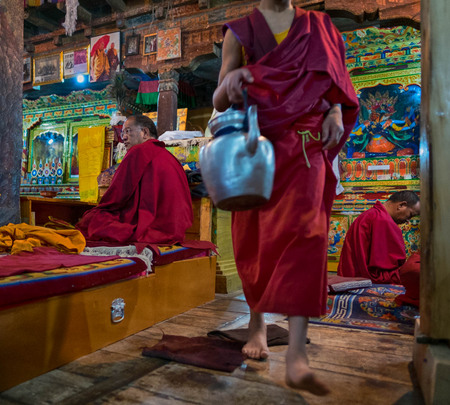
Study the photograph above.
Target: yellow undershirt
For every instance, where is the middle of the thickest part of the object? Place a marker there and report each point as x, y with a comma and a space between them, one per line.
281, 36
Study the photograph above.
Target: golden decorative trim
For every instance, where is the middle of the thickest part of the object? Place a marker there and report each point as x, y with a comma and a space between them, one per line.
404, 77
381, 183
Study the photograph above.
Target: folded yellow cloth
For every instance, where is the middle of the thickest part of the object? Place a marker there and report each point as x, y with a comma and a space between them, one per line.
23, 237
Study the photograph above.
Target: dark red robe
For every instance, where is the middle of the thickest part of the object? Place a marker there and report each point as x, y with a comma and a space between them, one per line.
373, 248
148, 200
281, 248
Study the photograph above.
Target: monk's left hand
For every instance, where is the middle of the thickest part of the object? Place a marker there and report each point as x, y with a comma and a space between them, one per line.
332, 127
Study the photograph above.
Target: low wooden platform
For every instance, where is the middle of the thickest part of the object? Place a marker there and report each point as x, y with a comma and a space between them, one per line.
36, 210
42, 335
360, 368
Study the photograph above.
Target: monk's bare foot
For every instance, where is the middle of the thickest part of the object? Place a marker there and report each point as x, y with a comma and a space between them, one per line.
256, 346
300, 376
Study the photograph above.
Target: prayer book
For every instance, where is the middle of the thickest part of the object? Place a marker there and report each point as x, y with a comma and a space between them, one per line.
339, 283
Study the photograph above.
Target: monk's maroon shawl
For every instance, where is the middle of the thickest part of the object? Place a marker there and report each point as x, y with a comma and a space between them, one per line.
299, 79
280, 249
148, 200
373, 248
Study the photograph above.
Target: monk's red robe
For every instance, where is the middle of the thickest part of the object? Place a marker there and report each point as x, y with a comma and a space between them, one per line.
373, 248
280, 248
148, 200
410, 278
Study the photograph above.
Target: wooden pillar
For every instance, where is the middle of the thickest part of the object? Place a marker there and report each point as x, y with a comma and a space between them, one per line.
167, 101
11, 120
227, 278
431, 348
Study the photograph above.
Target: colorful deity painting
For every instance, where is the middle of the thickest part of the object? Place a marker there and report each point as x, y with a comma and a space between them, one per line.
339, 225
388, 123
411, 235
47, 158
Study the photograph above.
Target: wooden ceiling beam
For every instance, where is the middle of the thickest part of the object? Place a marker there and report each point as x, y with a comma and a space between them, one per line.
118, 5
35, 18
386, 10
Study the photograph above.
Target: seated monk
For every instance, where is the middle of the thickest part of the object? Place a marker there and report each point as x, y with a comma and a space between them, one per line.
148, 199
374, 246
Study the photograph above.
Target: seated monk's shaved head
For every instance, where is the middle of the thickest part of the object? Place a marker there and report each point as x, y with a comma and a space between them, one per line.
403, 205
409, 196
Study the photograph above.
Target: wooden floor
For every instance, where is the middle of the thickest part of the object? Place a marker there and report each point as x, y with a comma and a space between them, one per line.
360, 368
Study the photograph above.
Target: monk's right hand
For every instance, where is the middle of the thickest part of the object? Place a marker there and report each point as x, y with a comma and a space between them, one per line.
233, 83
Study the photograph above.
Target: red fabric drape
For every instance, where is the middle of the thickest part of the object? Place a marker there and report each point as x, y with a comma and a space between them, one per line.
410, 278
44, 258
148, 200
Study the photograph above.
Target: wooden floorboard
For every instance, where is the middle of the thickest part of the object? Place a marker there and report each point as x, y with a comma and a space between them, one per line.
360, 367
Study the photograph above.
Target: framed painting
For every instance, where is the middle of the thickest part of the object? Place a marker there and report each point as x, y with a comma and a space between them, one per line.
105, 57
26, 69
132, 45
76, 62
169, 44
48, 143
47, 69
150, 44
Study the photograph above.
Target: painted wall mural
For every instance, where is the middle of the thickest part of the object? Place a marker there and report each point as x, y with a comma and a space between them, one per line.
388, 123
384, 144
373, 47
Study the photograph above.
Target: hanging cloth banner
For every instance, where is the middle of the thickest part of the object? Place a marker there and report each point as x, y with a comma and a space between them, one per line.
91, 147
148, 94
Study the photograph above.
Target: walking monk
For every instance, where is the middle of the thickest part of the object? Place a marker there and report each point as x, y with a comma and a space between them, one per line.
293, 64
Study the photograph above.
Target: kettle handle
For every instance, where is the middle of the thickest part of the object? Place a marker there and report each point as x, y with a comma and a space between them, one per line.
253, 130
250, 124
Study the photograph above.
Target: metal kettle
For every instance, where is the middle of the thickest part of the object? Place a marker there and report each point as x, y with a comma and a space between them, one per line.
238, 165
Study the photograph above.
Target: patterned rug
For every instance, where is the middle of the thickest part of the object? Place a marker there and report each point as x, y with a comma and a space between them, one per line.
370, 308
